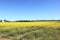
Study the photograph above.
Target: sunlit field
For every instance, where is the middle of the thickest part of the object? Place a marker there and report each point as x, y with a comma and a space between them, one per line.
30, 30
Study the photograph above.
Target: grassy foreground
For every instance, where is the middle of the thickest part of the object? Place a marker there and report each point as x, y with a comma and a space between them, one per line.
30, 30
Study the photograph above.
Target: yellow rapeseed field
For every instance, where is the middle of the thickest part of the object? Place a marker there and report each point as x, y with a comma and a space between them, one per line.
27, 24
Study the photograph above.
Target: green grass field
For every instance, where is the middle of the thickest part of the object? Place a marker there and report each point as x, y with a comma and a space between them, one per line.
30, 31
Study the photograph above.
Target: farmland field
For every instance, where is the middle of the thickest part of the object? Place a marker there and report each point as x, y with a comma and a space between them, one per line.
30, 30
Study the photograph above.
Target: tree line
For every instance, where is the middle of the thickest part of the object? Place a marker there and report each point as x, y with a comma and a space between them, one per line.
27, 20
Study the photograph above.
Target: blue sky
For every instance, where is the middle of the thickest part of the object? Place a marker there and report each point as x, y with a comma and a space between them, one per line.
30, 9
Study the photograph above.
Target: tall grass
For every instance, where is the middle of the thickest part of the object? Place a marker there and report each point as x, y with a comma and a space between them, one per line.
30, 30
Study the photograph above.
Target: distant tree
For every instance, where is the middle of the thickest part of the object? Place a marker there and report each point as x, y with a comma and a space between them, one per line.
0, 20
7, 21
